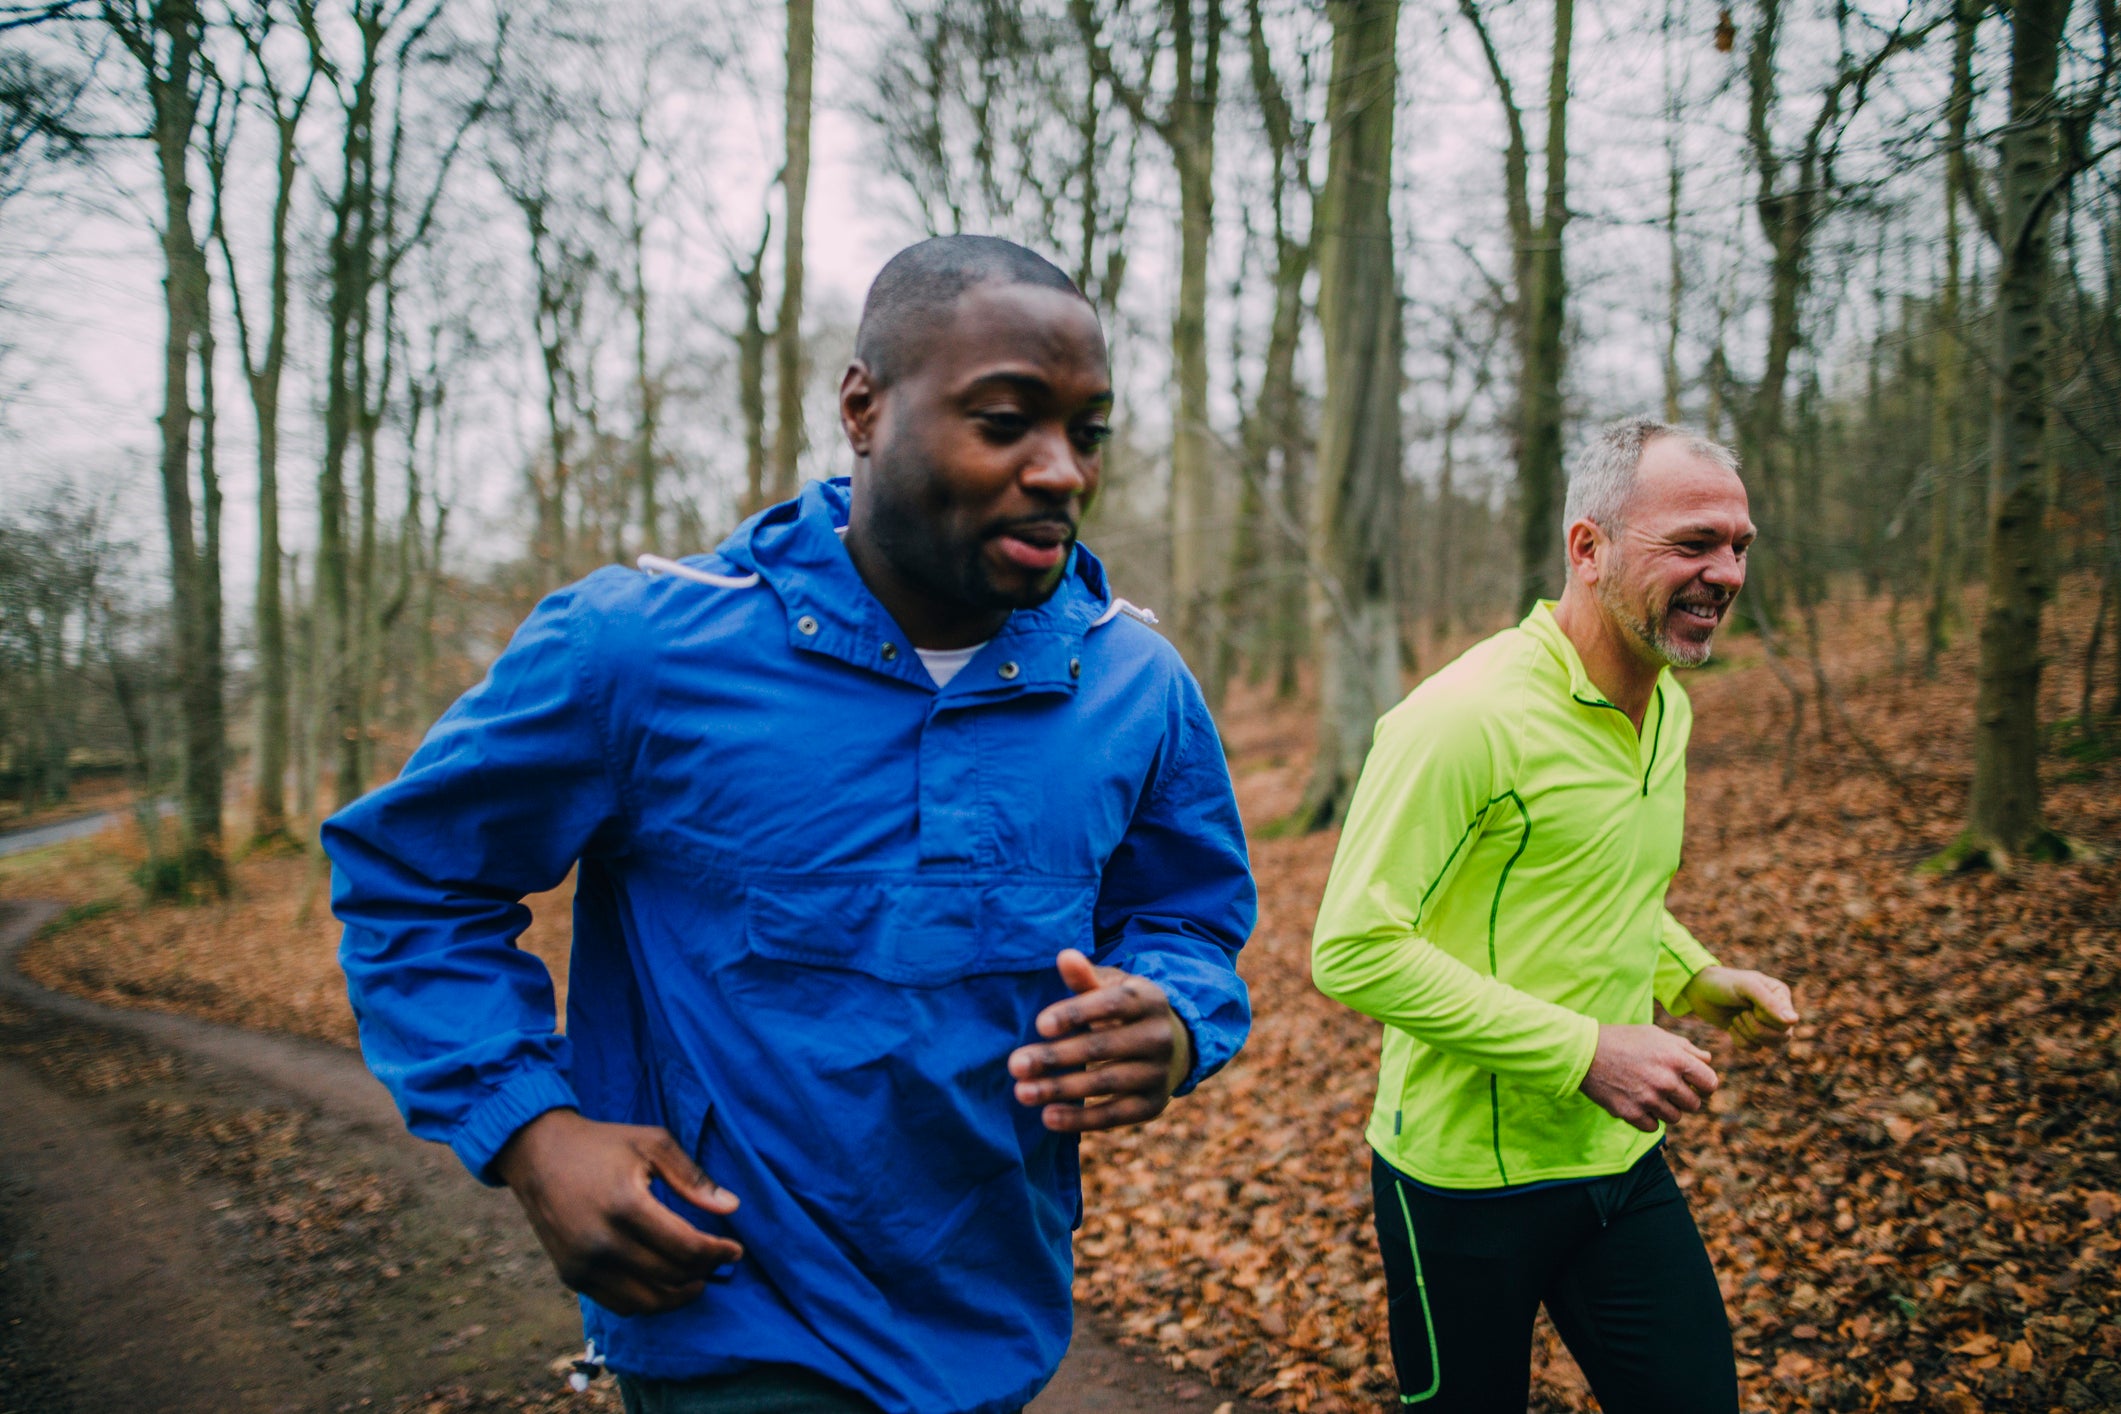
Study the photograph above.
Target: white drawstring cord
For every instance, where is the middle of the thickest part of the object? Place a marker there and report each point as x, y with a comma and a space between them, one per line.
585, 1369
656, 564
1121, 606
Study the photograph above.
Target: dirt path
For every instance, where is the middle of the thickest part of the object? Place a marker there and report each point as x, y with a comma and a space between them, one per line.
24, 838
195, 1217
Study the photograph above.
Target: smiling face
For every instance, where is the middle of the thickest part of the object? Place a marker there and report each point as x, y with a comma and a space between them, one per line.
977, 461
1667, 573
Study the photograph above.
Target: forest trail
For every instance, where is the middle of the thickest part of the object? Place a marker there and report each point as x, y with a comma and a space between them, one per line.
198, 1217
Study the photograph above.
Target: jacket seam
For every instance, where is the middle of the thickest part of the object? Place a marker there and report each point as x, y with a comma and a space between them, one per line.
600, 713
1176, 762
1502, 879
1421, 909
1494, 970
1655, 737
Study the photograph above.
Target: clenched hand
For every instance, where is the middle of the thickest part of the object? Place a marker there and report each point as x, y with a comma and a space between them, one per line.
1113, 1052
1643, 1075
585, 1186
1754, 1007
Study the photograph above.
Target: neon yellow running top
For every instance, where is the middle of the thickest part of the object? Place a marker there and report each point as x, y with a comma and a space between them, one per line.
1497, 894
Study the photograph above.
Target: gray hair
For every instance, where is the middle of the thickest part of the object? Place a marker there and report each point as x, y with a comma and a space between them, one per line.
1604, 477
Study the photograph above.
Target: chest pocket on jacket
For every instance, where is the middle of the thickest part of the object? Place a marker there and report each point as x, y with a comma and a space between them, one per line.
917, 933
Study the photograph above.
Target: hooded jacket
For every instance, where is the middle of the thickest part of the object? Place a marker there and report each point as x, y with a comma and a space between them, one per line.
818, 905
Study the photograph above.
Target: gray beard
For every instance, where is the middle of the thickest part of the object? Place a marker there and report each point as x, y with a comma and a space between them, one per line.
1653, 636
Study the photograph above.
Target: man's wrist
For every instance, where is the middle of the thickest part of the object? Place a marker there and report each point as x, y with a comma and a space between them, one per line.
517, 1157
1183, 1054
1683, 1003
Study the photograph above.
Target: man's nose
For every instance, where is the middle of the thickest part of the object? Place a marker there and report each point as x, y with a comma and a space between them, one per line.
1056, 468
1725, 570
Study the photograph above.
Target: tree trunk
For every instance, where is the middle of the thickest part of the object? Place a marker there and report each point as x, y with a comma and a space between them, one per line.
309, 692
1273, 432
1941, 616
262, 373
1443, 601
1539, 302
1539, 472
1675, 184
751, 375
795, 188
1786, 218
645, 391
1190, 130
1355, 507
206, 679
350, 274
372, 398
167, 46
2005, 817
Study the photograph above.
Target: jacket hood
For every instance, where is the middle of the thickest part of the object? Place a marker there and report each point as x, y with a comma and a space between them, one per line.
798, 537
794, 549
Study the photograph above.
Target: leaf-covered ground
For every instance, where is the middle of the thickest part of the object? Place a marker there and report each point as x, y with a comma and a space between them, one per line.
1913, 1208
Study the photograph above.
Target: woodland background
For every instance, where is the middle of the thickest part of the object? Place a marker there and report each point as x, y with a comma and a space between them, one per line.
437, 304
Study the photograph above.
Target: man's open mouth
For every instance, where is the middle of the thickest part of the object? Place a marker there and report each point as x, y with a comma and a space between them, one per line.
1037, 544
1699, 613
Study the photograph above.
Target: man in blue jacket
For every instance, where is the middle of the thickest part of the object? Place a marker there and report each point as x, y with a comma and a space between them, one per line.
906, 855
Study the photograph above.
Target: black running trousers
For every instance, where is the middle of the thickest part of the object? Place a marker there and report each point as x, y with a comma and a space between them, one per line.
1616, 1261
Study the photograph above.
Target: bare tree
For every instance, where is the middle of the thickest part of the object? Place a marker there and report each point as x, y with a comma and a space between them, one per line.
373, 226
1539, 298
537, 163
1185, 120
1941, 614
263, 368
795, 191
2040, 149
751, 340
1275, 442
166, 40
1796, 192
1355, 510
995, 119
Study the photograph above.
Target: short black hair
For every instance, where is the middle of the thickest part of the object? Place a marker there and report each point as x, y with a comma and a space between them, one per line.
916, 288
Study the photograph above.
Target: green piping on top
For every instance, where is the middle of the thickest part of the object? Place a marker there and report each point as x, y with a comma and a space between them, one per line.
1445, 872
1495, 908
1655, 737
1494, 912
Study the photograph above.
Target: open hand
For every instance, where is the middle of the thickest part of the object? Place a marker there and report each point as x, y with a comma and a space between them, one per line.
1645, 1075
585, 1186
1116, 1044
1754, 1007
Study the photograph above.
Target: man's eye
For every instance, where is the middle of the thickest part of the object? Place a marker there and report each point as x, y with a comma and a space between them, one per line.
1094, 434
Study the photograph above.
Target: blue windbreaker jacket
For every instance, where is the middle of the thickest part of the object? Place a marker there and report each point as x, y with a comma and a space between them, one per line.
818, 905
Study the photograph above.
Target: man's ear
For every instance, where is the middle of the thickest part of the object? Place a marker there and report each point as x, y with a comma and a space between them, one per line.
861, 404
1583, 539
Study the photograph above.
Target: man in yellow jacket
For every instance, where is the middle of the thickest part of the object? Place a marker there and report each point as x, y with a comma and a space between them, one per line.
1497, 902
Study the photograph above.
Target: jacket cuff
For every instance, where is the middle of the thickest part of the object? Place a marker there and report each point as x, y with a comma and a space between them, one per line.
1206, 994
494, 1121
1189, 1017
1582, 1050
1679, 959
